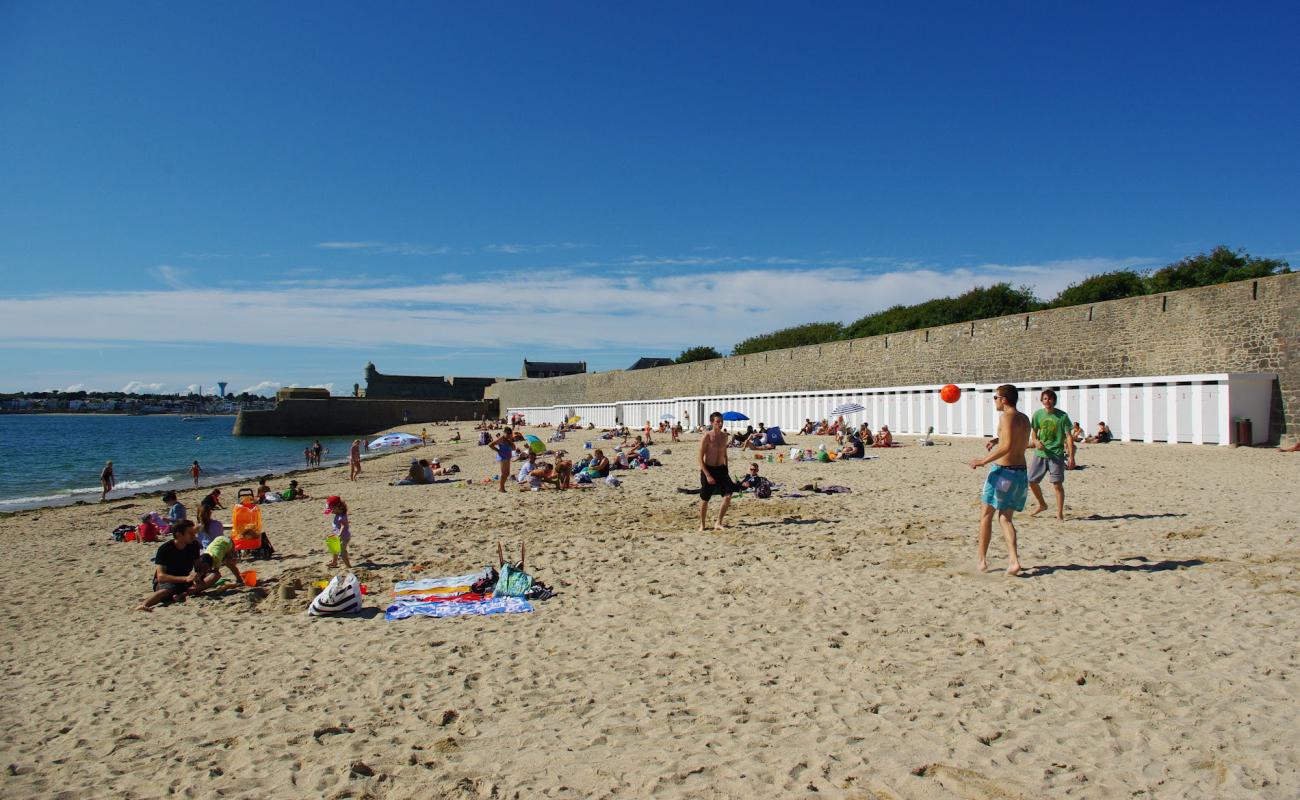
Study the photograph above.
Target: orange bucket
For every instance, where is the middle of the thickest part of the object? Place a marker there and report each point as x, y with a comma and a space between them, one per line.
250, 577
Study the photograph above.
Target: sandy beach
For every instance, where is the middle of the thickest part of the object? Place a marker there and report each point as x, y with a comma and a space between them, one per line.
828, 645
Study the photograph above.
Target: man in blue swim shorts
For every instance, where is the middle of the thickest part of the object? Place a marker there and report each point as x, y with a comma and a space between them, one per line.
1007, 483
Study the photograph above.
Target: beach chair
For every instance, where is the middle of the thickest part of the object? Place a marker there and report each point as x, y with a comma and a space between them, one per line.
246, 527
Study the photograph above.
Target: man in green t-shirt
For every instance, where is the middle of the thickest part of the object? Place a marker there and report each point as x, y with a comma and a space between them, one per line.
1050, 438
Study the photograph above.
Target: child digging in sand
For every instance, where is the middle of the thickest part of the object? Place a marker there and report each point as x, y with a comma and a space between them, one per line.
335, 505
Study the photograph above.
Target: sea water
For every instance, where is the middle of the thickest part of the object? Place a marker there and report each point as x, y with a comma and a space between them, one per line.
55, 459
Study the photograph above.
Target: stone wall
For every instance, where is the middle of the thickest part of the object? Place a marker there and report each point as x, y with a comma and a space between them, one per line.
1247, 326
350, 416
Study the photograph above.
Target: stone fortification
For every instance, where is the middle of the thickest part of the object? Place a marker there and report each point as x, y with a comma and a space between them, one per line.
423, 387
350, 416
1247, 326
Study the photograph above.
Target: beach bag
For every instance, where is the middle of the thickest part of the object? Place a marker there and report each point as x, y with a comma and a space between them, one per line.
121, 531
763, 489
483, 438
512, 582
342, 595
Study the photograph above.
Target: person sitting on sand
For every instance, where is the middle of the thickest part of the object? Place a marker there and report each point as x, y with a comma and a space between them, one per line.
739, 439
599, 465
852, 448
1102, 436
173, 575
437, 469
1076, 433
884, 438
865, 435
751, 480
219, 553
414, 475
808, 427
526, 468
208, 528
542, 473
1295, 448
175, 512
293, 492
455, 435
823, 428
147, 530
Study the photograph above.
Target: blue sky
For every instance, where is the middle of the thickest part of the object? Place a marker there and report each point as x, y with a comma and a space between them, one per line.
275, 194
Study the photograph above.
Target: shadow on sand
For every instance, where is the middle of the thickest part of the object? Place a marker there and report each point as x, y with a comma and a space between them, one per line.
1144, 565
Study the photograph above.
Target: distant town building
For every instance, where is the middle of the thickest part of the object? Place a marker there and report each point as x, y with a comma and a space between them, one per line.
646, 362
553, 369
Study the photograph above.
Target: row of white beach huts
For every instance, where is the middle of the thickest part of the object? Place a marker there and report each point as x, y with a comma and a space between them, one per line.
1192, 409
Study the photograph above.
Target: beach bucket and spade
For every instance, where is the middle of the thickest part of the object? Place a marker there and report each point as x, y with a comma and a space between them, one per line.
250, 578
334, 545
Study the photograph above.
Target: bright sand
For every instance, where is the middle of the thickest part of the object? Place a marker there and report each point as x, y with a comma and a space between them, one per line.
838, 644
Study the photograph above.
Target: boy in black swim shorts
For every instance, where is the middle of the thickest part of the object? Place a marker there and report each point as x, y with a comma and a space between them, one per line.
714, 476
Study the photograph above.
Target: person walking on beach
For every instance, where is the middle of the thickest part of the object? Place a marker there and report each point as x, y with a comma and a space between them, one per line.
354, 460
1007, 482
505, 447
306, 453
317, 450
1050, 435
195, 471
107, 481
714, 476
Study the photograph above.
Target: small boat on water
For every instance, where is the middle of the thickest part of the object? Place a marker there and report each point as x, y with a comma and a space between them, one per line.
197, 419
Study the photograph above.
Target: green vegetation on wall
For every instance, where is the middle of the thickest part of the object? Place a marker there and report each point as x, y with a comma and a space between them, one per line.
1220, 265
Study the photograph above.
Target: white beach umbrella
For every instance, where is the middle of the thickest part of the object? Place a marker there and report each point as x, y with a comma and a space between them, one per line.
394, 440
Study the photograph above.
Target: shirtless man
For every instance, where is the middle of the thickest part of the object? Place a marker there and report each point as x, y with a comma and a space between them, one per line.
1007, 484
354, 460
714, 477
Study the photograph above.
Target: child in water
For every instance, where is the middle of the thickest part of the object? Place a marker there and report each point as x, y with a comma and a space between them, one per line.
335, 505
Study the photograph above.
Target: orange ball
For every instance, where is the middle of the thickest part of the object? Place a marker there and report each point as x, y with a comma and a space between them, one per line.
950, 393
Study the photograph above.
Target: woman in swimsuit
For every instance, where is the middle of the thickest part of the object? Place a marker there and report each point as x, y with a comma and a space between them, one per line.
505, 447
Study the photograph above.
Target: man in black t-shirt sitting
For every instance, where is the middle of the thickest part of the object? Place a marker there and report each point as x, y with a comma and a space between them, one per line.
173, 575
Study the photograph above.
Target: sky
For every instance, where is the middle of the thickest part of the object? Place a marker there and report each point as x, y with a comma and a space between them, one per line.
276, 194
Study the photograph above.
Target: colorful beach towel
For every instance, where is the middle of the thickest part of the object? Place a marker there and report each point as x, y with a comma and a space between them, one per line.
456, 583
497, 605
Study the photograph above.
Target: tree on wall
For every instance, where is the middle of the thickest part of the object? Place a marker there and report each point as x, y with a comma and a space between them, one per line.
1220, 265
798, 336
1098, 288
701, 353
997, 300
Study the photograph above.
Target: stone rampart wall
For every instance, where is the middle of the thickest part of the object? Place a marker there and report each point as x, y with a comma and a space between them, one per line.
1247, 326
349, 416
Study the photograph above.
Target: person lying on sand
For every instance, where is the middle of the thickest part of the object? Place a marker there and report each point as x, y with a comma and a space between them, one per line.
173, 575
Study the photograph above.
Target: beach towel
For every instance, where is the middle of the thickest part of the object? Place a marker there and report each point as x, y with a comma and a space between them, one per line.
342, 595
497, 605
429, 585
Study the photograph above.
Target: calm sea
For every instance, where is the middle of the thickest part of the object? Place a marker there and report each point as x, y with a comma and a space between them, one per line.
54, 459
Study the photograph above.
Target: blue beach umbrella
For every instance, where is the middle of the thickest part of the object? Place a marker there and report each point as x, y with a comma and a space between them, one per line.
667, 416
733, 416
535, 444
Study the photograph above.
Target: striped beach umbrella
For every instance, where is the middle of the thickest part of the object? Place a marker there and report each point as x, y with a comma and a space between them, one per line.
847, 408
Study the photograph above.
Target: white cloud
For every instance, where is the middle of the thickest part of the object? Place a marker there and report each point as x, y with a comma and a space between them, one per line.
349, 245
76, 387
578, 310
139, 387
388, 248
262, 388
172, 276
193, 388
